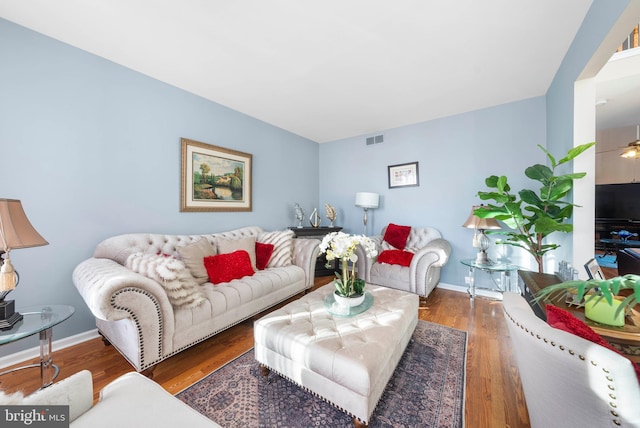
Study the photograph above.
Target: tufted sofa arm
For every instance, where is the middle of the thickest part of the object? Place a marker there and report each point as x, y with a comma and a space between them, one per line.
114, 293
305, 254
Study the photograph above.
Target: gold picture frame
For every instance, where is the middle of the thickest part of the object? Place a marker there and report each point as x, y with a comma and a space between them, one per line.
214, 178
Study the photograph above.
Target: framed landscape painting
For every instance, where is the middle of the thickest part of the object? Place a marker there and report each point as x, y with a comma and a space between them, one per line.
214, 178
403, 175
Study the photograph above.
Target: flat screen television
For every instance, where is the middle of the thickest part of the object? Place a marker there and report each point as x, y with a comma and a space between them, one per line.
618, 201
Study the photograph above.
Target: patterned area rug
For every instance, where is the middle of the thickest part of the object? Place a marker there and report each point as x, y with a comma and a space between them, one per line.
426, 390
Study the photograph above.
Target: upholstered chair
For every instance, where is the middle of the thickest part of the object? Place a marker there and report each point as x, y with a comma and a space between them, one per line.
409, 259
569, 381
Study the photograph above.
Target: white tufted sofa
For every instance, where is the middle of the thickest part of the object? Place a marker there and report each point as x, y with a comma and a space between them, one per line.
134, 313
431, 252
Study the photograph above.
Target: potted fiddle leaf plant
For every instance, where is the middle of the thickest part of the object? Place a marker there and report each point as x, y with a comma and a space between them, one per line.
533, 215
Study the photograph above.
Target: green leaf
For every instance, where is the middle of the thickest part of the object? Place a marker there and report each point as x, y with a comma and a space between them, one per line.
502, 184
539, 172
574, 152
530, 197
551, 158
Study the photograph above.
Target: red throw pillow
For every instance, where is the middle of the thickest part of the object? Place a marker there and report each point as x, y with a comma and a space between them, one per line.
229, 266
397, 235
263, 254
565, 321
395, 257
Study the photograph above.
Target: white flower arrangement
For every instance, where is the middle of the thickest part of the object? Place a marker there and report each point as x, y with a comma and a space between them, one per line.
342, 246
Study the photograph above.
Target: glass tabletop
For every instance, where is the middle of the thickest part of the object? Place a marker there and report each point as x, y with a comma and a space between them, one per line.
36, 319
495, 266
344, 311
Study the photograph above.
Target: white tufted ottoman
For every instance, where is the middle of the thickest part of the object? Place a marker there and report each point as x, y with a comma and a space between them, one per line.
346, 361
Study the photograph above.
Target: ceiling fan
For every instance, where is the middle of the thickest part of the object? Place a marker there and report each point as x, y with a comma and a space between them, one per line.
633, 148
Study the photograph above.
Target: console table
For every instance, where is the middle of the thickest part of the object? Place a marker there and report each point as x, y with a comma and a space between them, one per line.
39, 319
319, 233
626, 338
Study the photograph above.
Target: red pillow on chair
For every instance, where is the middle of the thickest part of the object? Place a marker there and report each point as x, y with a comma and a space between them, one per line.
397, 235
395, 257
228, 266
565, 321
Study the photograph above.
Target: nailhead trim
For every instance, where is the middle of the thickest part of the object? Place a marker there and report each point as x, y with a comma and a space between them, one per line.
321, 397
611, 387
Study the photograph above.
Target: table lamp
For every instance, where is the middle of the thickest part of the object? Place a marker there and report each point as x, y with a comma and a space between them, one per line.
480, 239
366, 200
15, 232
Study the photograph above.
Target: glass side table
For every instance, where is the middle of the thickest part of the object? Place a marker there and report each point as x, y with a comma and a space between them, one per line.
39, 319
504, 269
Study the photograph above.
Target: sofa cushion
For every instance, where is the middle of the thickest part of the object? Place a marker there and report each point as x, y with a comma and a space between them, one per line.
228, 266
395, 257
397, 235
282, 242
565, 321
172, 274
263, 255
247, 244
193, 257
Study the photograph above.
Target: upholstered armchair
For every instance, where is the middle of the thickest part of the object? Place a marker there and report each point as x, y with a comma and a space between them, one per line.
409, 259
569, 381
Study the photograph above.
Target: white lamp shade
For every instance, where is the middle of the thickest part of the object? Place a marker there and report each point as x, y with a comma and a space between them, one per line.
367, 200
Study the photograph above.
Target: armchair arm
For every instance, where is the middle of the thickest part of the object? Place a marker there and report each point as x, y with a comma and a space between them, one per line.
75, 391
305, 254
426, 264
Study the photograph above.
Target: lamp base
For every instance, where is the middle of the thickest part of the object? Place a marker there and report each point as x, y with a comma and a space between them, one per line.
8, 316
483, 259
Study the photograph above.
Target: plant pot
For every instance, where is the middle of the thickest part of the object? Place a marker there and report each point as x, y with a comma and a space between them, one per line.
352, 301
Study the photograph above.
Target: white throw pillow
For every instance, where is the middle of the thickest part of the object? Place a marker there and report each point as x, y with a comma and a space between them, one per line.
282, 247
193, 257
182, 289
248, 244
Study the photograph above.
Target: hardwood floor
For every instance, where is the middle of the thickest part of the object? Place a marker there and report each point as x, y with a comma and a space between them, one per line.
494, 396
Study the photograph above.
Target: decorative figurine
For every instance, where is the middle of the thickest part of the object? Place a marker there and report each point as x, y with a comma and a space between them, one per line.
315, 218
331, 213
299, 215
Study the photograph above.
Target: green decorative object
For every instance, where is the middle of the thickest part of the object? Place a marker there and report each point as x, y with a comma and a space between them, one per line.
531, 215
604, 313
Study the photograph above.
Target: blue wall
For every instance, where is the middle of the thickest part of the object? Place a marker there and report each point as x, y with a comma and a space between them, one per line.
93, 150
455, 155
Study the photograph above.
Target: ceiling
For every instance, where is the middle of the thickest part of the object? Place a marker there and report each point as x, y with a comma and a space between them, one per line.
330, 69
618, 91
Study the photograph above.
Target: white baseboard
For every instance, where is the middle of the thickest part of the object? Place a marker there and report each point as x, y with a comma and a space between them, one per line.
463, 289
56, 345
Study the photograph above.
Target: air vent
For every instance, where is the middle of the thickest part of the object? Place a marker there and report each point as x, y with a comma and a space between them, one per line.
375, 140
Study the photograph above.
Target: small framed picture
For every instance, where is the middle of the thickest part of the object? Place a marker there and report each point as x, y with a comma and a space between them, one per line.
403, 175
214, 178
593, 269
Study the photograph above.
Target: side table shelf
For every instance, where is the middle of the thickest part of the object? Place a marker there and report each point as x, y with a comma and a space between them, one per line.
39, 319
318, 233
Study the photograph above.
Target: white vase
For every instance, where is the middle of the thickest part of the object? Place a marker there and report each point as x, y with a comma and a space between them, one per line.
348, 301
